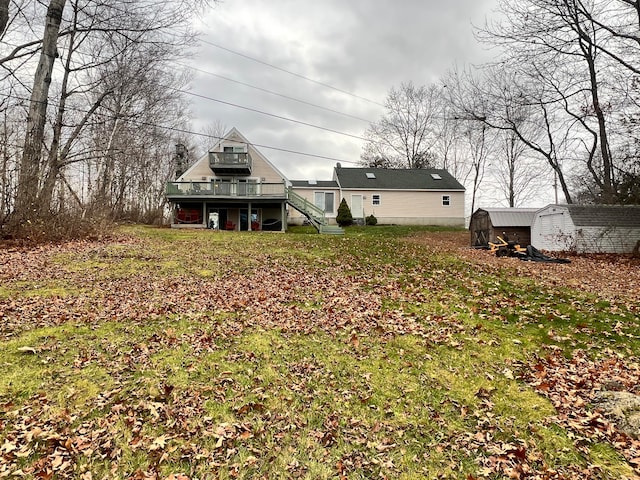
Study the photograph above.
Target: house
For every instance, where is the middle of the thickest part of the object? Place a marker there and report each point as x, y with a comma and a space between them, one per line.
324, 194
587, 228
233, 187
487, 223
393, 196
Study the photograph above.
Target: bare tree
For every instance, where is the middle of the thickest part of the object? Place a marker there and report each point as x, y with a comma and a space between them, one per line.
618, 26
30, 168
504, 95
86, 37
516, 176
561, 46
4, 15
404, 136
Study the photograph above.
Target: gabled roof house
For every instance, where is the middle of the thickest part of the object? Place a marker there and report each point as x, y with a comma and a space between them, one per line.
232, 187
235, 187
393, 196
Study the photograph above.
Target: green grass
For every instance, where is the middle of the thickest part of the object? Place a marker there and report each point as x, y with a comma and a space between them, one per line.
156, 368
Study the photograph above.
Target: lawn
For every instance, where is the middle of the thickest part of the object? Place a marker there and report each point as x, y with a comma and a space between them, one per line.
389, 352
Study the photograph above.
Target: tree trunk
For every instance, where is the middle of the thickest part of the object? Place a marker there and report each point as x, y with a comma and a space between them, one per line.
30, 167
4, 15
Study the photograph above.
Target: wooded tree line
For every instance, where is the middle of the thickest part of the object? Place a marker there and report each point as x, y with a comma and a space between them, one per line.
84, 85
560, 103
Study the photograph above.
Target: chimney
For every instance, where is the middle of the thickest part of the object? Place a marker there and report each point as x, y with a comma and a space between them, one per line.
180, 157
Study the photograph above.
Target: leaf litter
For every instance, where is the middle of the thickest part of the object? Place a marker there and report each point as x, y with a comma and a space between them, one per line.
138, 426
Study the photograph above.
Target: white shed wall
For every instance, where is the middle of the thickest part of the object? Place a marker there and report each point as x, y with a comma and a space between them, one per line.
553, 230
606, 239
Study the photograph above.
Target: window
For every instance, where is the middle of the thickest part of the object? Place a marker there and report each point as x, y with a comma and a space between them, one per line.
375, 199
231, 154
436, 176
446, 200
324, 201
240, 149
370, 175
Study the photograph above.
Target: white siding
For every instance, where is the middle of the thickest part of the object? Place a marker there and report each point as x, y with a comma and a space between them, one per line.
412, 207
553, 229
606, 239
261, 169
297, 218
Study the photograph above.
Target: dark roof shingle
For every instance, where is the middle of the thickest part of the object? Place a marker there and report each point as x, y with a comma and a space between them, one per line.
314, 184
605, 215
396, 179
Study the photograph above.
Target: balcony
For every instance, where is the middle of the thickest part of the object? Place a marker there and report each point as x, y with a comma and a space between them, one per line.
225, 190
230, 163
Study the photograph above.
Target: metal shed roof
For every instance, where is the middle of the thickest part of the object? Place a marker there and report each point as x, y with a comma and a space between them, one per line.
511, 217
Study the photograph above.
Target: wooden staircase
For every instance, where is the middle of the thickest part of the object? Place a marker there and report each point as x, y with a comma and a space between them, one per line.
314, 214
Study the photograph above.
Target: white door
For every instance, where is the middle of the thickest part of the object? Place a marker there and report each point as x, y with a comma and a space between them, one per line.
356, 206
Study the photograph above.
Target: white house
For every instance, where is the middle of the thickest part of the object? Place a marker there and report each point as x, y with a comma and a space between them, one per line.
235, 187
393, 196
587, 228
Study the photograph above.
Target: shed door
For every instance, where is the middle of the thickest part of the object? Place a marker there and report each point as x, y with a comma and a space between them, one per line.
480, 234
356, 206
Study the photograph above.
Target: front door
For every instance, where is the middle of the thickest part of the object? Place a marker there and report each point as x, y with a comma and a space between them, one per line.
356, 206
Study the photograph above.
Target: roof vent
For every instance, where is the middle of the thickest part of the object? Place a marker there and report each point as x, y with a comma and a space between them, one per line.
436, 176
371, 175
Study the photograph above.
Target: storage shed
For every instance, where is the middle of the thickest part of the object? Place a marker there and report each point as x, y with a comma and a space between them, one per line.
487, 223
587, 228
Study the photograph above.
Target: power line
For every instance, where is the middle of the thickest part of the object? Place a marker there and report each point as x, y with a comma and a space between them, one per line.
279, 149
200, 134
326, 85
235, 105
275, 93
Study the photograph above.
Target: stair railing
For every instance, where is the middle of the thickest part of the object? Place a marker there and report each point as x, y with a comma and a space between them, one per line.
307, 208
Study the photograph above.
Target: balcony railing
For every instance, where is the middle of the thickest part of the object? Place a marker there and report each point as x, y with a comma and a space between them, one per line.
237, 163
225, 189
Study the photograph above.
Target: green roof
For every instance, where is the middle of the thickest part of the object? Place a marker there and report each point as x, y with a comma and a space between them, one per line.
396, 179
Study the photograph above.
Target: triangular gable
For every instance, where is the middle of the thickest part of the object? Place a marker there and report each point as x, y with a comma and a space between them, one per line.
233, 135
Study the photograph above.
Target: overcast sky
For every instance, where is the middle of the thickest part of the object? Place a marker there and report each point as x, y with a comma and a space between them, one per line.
363, 47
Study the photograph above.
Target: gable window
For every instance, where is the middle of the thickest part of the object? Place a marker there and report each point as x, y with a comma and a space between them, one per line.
446, 200
324, 201
376, 199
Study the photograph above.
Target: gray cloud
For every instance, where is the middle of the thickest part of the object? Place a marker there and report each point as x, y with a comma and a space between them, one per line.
361, 46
